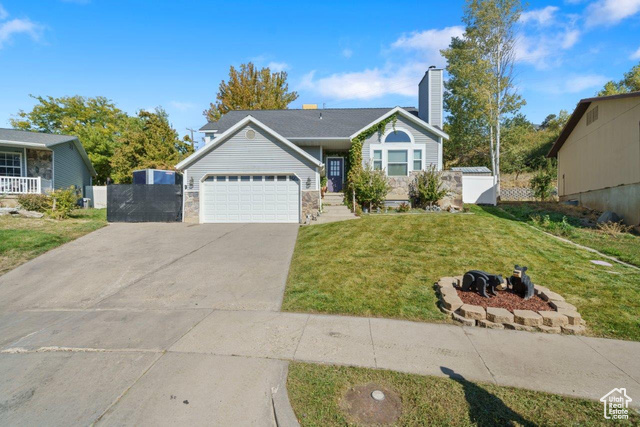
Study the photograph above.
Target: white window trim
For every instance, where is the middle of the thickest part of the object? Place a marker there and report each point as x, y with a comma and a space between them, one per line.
413, 159
20, 162
409, 152
398, 128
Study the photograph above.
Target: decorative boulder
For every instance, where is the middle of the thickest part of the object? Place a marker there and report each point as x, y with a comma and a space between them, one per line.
609, 216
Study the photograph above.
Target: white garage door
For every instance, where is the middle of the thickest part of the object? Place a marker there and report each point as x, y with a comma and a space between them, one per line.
251, 198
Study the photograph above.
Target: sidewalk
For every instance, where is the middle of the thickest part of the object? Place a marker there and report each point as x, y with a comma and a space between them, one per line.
569, 365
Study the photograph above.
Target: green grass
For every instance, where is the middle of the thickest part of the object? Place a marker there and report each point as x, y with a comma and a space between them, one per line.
316, 393
22, 239
385, 266
625, 246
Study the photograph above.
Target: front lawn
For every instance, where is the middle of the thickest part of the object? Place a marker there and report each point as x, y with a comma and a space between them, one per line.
385, 266
317, 394
22, 239
625, 246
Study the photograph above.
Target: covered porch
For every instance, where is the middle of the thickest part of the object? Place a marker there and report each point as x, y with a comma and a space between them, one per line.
25, 170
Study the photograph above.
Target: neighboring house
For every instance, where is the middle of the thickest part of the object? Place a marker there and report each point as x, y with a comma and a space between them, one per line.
598, 155
33, 162
266, 165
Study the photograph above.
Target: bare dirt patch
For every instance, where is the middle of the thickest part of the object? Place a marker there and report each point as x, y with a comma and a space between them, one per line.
362, 408
505, 299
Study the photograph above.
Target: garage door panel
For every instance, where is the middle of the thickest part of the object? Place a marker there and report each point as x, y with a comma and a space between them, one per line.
241, 199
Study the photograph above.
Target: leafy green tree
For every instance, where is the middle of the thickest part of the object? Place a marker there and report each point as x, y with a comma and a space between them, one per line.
426, 188
95, 121
251, 89
147, 141
629, 83
484, 59
466, 124
541, 184
371, 186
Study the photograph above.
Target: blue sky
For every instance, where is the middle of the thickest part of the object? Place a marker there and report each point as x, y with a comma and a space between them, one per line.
143, 54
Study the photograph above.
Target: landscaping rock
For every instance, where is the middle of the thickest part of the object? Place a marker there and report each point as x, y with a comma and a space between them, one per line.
572, 316
446, 282
609, 216
550, 329
574, 329
562, 305
527, 318
483, 323
499, 315
451, 302
472, 312
451, 292
518, 327
8, 211
538, 289
463, 320
30, 214
553, 319
548, 295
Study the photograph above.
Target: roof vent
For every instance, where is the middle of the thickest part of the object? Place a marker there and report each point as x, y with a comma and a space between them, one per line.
320, 116
250, 134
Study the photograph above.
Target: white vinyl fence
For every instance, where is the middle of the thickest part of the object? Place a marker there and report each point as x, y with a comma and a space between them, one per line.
479, 190
97, 194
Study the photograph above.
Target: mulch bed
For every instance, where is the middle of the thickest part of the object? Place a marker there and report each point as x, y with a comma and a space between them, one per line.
505, 299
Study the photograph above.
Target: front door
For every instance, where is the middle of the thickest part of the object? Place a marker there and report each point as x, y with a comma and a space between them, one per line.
335, 172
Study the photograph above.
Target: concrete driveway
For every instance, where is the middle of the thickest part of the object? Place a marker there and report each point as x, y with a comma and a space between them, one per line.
85, 328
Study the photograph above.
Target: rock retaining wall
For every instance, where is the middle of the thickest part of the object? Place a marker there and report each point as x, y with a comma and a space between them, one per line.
451, 182
565, 319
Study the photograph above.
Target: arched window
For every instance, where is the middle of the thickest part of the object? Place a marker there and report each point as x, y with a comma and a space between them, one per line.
398, 136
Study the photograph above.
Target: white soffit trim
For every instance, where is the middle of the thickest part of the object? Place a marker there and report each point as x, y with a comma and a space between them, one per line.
404, 113
225, 135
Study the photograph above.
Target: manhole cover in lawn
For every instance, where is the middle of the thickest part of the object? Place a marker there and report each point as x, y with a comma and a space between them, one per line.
364, 405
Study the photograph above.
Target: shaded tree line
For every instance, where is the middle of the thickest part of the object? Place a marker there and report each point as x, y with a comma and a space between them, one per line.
115, 142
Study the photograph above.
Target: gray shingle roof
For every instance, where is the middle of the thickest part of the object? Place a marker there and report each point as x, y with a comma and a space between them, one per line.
47, 140
33, 137
335, 122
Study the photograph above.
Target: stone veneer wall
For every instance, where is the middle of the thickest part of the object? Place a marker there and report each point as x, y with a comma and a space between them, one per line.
40, 163
310, 203
191, 206
451, 181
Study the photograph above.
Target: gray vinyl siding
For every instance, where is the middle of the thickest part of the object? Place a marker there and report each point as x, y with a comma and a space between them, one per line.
20, 150
316, 152
436, 99
263, 154
421, 136
69, 168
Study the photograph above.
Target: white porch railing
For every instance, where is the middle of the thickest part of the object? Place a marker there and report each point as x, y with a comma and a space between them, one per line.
20, 185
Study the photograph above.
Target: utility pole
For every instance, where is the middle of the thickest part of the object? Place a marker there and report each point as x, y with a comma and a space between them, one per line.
192, 141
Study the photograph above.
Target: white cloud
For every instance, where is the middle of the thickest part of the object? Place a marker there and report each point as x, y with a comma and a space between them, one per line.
610, 12
429, 41
399, 76
635, 55
181, 106
574, 83
542, 17
9, 29
543, 45
347, 53
278, 66
3, 13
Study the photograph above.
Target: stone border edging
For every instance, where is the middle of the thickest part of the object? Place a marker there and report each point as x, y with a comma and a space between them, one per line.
282, 410
565, 319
